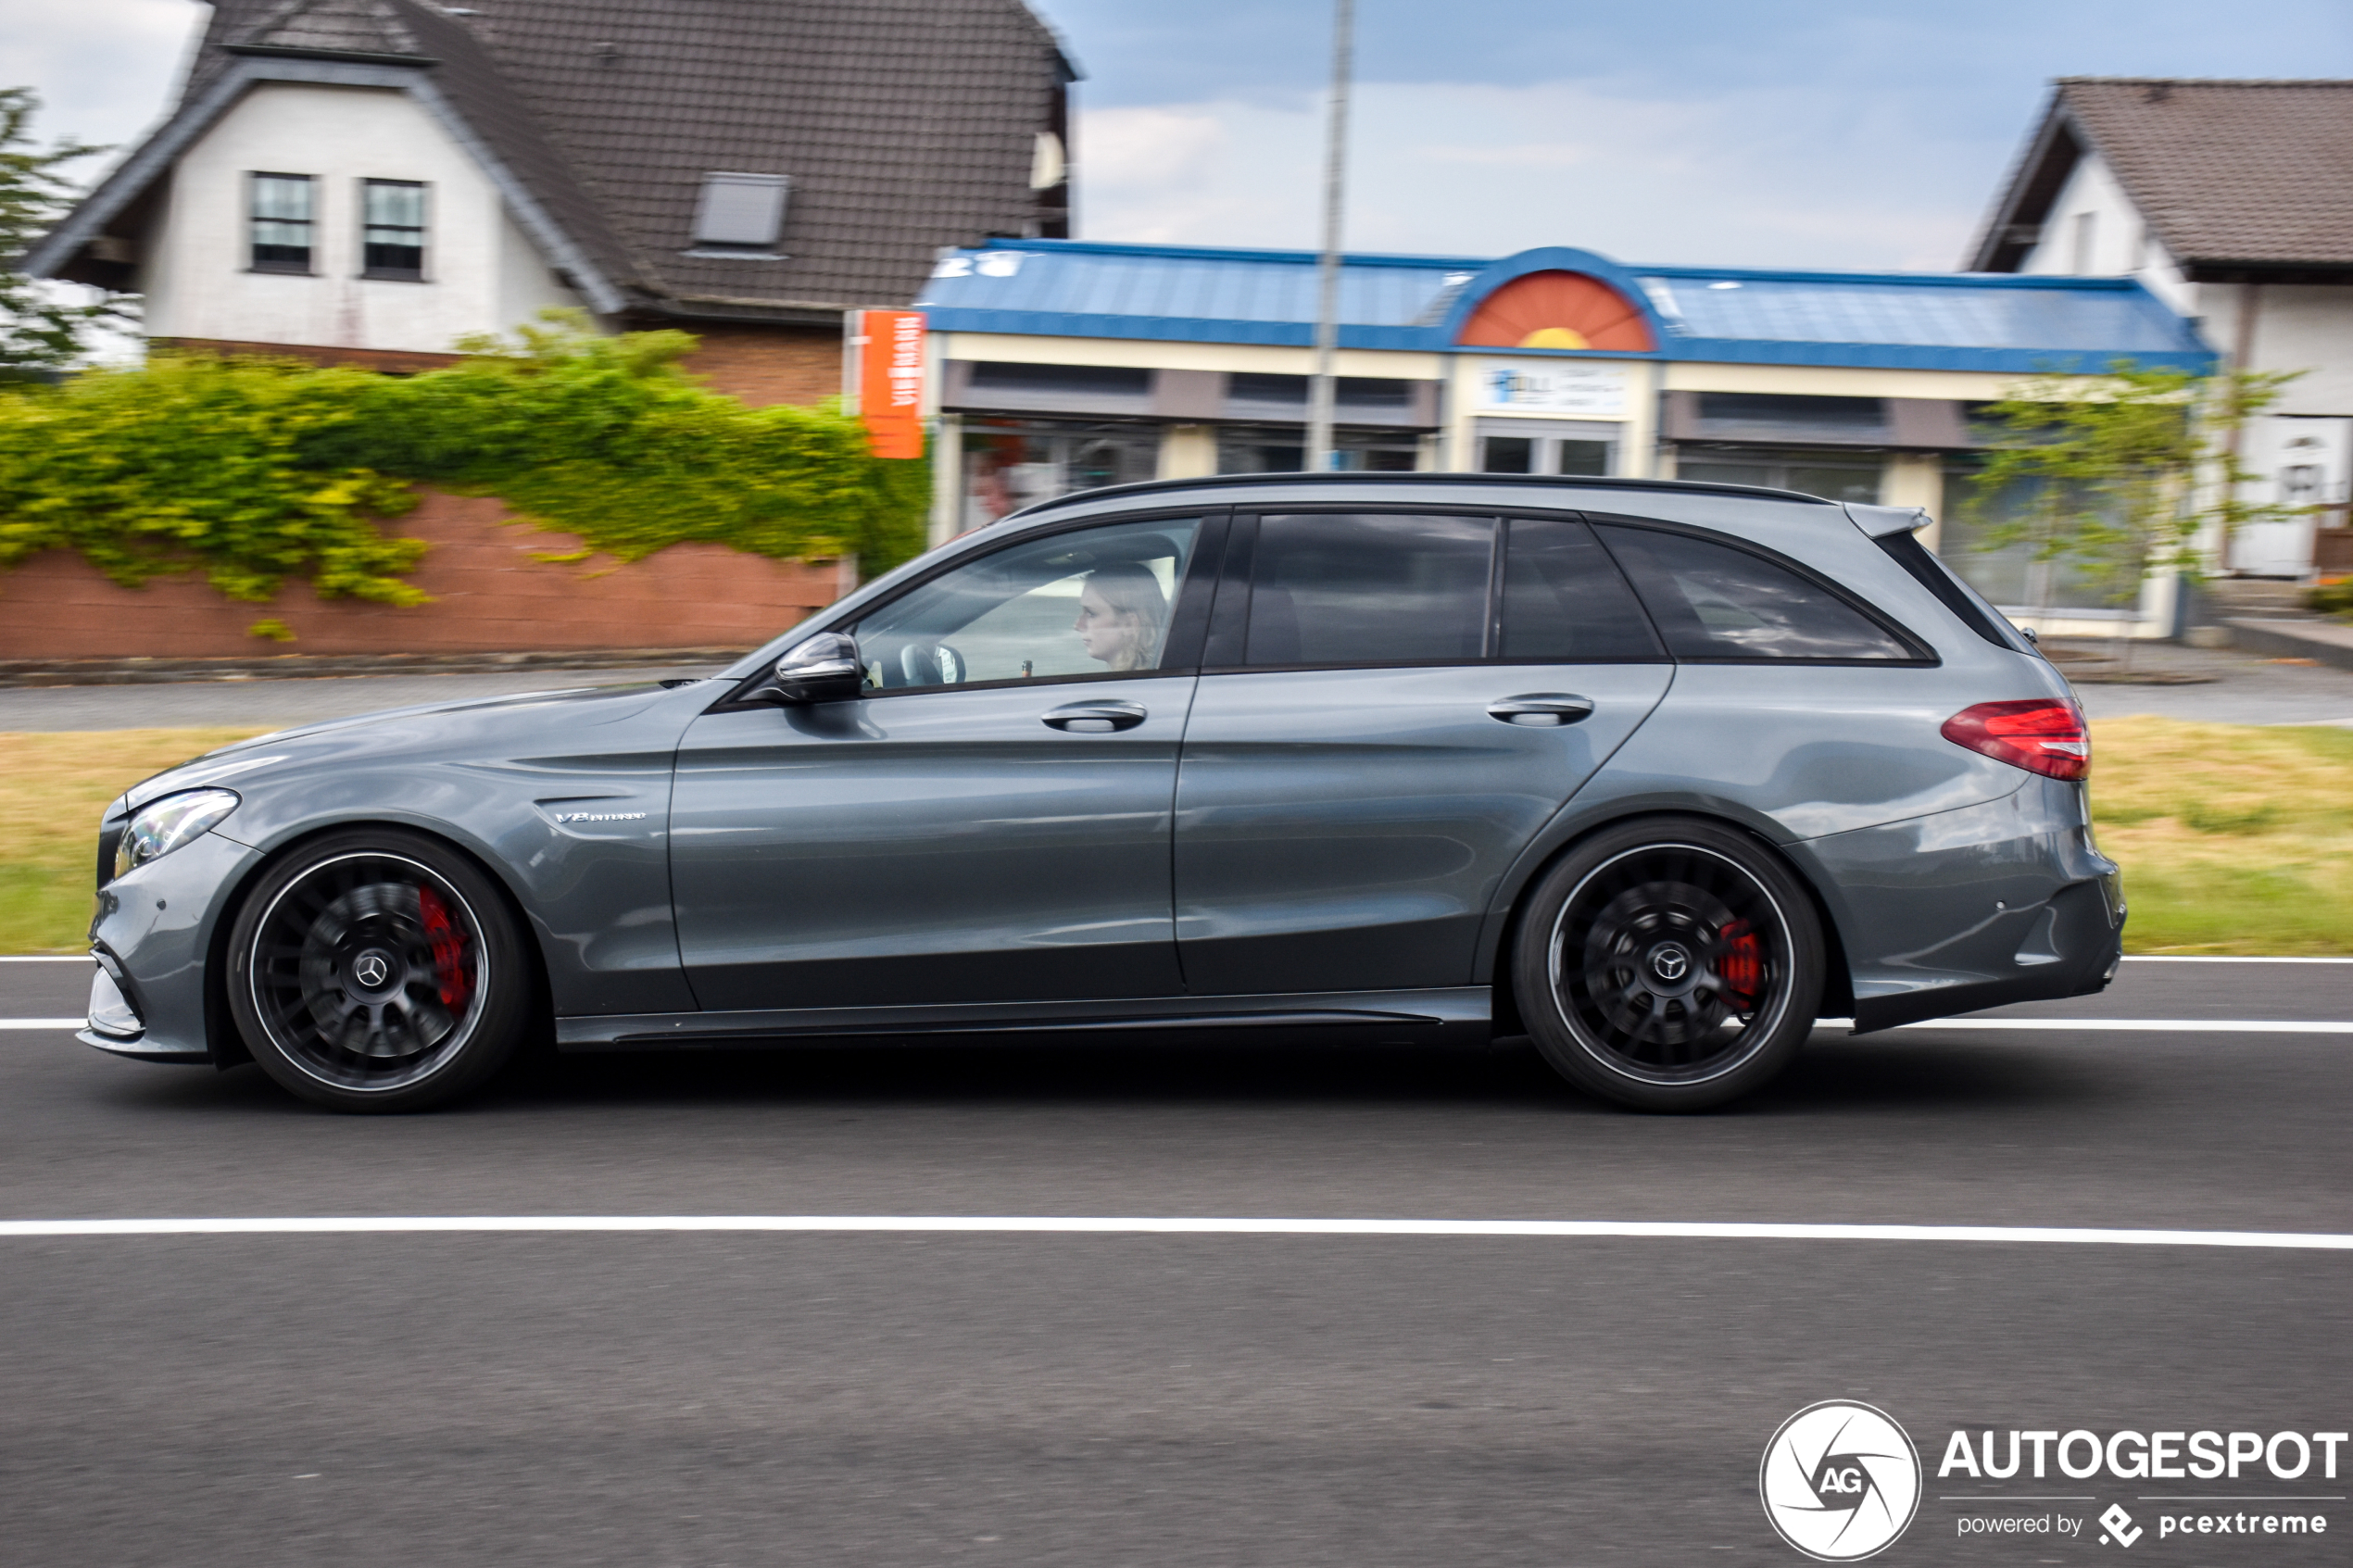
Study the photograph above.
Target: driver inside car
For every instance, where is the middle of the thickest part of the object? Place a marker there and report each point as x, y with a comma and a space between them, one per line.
1122, 613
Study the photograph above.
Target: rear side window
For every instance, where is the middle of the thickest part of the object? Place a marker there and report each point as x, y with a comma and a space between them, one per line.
1712, 601
1957, 596
1369, 588
1565, 599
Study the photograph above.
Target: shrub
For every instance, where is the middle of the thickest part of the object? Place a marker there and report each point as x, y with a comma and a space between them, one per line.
254, 471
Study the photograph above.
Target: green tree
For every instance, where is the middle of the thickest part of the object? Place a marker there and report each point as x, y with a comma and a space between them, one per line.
41, 329
2124, 472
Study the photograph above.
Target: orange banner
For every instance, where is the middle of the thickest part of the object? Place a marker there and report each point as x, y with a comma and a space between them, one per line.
889, 346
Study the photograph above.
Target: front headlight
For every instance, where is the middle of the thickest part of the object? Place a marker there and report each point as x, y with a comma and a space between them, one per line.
160, 826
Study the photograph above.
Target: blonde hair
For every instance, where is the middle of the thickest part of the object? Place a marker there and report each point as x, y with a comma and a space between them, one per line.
1132, 590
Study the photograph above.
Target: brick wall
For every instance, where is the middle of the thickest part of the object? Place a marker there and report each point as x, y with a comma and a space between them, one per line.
758, 365
764, 365
396, 361
490, 597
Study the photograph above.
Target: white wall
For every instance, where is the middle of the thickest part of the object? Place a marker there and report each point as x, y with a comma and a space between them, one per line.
482, 274
2094, 231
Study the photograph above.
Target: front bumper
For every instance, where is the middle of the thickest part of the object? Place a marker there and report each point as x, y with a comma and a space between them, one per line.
153, 937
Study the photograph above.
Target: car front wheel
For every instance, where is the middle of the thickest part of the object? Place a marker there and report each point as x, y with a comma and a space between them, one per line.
1669, 964
377, 970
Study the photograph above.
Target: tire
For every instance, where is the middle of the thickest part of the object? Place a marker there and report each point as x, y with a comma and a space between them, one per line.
1668, 964
377, 970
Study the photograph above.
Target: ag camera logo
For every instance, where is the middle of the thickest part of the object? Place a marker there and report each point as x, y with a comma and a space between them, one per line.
1840, 1481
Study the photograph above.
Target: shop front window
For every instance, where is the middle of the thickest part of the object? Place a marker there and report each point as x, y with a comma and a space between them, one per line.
1011, 464
1832, 476
1530, 453
1245, 450
1973, 516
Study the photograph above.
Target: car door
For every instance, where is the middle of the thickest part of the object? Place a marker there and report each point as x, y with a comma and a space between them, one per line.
990, 821
1391, 706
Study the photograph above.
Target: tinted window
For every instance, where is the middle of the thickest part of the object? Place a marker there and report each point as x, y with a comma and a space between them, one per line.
1093, 602
1369, 589
1713, 601
1563, 598
1957, 595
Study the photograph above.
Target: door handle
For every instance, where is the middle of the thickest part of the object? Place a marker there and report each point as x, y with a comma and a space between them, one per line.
1540, 708
1095, 718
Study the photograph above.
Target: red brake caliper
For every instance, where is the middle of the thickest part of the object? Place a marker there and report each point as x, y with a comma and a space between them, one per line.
1741, 963
448, 948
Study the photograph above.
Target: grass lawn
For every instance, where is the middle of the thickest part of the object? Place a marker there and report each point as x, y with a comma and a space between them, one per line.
54, 787
2233, 839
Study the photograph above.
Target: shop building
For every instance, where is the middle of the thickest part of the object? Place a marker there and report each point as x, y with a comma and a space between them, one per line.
1062, 365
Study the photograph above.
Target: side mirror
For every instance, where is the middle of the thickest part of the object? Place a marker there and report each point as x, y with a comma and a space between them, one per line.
823, 669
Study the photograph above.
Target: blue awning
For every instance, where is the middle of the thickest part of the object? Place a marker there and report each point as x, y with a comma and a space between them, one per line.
1958, 321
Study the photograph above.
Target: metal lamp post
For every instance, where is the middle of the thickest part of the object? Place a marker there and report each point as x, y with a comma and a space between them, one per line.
1321, 386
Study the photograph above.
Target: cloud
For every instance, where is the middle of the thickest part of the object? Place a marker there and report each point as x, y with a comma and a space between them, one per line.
103, 68
1764, 177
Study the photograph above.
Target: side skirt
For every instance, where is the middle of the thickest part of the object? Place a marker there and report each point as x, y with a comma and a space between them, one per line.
1457, 1015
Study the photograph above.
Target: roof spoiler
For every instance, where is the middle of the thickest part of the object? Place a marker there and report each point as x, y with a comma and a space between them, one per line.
1881, 521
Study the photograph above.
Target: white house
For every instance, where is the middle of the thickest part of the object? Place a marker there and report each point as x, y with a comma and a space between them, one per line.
2231, 201
369, 180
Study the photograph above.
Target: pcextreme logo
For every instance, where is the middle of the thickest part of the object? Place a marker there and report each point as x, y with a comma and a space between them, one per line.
1839, 1481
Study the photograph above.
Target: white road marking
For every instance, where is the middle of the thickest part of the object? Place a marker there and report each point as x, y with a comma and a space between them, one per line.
43, 958
1061, 1224
2216, 957
2125, 1025
2148, 1025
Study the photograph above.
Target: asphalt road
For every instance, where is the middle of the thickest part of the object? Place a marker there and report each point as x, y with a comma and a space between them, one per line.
748, 1399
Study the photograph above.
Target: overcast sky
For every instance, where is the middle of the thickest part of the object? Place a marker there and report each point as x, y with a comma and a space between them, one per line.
1829, 134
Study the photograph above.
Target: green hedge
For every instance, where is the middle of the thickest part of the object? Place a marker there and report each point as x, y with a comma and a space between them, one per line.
254, 471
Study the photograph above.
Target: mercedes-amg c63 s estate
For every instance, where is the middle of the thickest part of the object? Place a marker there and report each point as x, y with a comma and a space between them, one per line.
1656, 773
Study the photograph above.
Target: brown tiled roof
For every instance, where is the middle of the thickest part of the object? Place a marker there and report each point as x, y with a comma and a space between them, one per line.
2228, 174
906, 126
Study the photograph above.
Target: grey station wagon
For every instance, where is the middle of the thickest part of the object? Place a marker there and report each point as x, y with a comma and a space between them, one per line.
1656, 773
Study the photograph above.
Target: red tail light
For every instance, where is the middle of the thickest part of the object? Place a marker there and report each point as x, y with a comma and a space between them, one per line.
2040, 734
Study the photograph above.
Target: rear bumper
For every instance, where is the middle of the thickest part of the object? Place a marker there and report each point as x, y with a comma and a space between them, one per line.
2005, 901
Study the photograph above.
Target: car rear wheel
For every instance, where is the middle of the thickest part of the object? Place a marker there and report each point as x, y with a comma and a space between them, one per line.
378, 970
1669, 964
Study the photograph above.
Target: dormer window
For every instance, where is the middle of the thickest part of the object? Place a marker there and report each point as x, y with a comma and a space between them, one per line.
741, 216
283, 217
393, 241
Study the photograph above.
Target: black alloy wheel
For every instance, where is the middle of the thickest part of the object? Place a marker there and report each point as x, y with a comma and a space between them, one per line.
376, 970
1669, 964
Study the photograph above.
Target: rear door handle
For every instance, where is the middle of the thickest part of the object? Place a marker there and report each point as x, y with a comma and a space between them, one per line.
1095, 718
1540, 708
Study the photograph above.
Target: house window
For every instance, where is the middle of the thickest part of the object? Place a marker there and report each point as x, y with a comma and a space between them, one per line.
741, 215
284, 208
2086, 230
391, 243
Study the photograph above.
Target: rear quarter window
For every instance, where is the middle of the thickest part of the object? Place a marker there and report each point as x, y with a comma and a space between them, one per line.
1718, 602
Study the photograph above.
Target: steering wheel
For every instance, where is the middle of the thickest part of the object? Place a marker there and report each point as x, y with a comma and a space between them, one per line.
931, 664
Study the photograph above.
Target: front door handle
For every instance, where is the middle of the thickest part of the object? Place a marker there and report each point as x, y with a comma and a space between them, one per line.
1540, 708
1095, 718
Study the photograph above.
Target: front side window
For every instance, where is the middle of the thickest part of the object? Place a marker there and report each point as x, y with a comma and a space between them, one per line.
283, 220
393, 238
1348, 588
1098, 601
1716, 602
